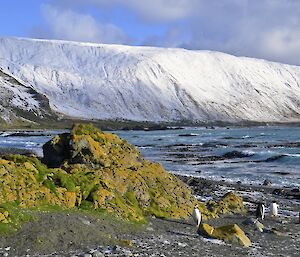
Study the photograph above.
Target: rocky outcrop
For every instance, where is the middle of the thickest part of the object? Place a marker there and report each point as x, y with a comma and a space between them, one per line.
228, 204
95, 170
21, 105
228, 233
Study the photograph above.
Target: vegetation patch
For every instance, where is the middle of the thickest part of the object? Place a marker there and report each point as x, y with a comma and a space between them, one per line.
14, 218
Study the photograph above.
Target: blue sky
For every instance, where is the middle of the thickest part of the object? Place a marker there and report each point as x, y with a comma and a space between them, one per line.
17, 17
267, 29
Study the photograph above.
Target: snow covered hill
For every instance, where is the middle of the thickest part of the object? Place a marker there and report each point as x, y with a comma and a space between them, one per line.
94, 81
20, 104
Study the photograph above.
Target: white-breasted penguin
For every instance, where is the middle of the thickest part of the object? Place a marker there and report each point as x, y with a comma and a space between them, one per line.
274, 209
196, 215
260, 211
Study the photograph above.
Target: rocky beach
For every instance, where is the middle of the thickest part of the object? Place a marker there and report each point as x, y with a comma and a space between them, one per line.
55, 232
85, 202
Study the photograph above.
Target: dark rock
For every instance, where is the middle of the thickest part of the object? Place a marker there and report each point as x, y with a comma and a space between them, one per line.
56, 150
267, 182
278, 191
286, 145
254, 223
11, 150
236, 154
275, 158
276, 232
188, 135
281, 173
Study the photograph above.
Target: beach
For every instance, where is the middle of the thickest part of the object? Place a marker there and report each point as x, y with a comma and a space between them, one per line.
74, 233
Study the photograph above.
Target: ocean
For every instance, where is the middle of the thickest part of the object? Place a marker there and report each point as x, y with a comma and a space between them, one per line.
250, 155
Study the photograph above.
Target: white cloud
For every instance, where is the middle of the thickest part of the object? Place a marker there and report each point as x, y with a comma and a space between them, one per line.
256, 28
162, 10
69, 25
147, 10
281, 44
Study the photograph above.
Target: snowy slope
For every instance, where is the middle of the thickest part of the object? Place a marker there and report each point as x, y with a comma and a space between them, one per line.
20, 103
143, 83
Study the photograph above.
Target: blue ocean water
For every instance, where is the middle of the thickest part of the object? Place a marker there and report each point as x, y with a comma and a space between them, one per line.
249, 155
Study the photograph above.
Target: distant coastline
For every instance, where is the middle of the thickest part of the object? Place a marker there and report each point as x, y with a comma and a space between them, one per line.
110, 125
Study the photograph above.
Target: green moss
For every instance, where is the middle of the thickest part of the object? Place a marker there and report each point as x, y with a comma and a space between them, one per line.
16, 158
17, 217
87, 181
86, 205
49, 208
131, 200
65, 180
43, 171
84, 129
50, 184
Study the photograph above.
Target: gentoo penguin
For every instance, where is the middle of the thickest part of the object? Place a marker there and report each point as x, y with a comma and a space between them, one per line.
260, 211
274, 209
196, 215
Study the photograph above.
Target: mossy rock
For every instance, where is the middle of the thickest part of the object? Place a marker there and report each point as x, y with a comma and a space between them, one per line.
92, 169
230, 203
100, 168
229, 233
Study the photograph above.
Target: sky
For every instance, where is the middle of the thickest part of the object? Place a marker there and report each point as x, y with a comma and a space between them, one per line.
268, 29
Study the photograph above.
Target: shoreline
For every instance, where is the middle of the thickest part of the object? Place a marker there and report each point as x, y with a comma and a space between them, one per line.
112, 125
63, 230
196, 183
66, 231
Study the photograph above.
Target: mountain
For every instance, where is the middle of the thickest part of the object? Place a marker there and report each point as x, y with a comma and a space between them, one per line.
20, 104
96, 81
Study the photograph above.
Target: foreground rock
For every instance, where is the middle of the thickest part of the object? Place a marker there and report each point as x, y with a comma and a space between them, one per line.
228, 204
99, 173
254, 224
94, 170
228, 233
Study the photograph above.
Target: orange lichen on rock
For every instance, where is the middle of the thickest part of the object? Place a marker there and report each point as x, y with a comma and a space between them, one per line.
99, 170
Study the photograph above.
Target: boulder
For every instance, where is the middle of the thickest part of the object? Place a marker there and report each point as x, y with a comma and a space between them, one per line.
254, 224
90, 169
56, 150
229, 233
95, 170
277, 232
267, 182
228, 204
